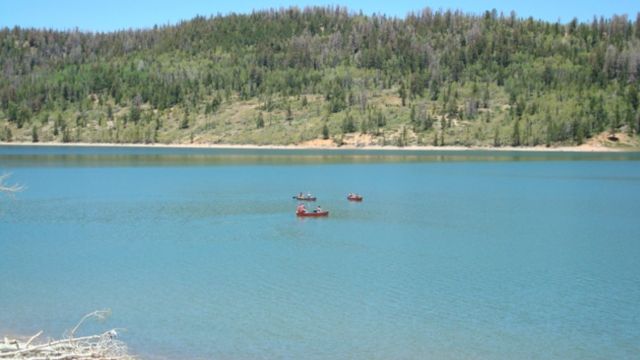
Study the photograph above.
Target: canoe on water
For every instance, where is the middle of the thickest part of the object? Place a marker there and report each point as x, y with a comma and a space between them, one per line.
354, 197
312, 213
305, 198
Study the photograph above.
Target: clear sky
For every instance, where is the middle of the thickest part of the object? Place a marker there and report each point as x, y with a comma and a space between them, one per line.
108, 15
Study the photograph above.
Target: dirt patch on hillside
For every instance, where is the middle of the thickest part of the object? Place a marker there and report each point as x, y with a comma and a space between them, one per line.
604, 140
318, 143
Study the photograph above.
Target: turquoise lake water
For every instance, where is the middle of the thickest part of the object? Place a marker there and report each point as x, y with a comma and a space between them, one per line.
198, 253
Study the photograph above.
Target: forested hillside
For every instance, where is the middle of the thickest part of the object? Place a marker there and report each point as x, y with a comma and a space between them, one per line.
290, 76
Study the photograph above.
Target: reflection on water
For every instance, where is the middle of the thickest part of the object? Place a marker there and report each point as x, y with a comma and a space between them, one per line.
11, 156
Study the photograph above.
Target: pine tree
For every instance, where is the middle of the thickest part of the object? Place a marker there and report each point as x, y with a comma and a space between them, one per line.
260, 121
515, 137
184, 124
34, 134
134, 113
289, 117
6, 134
325, 132
632, 96
402, 92
348, 126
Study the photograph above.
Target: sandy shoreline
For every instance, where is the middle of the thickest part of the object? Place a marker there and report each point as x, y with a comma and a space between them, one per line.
581, 149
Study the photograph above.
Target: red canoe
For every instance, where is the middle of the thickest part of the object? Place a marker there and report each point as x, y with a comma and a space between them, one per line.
354, 198
312, 214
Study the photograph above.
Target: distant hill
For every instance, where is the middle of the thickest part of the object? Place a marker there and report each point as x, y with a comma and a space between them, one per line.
300, 76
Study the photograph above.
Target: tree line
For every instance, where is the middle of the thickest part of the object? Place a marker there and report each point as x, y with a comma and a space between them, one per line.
458, 77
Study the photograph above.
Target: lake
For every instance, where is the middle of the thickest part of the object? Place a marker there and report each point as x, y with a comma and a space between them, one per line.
451, 255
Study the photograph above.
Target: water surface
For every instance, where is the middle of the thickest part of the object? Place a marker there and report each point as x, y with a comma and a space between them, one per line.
450, 256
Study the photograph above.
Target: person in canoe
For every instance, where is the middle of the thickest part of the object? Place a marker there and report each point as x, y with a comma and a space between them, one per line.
301, 209
318, 212
303, 197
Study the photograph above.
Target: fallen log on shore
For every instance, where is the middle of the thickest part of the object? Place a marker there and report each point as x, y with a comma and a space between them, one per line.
103, 346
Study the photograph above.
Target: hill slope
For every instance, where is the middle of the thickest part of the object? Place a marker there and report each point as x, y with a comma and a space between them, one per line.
292, 76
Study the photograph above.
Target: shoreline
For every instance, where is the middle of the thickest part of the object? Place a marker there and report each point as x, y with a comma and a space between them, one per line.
576, 149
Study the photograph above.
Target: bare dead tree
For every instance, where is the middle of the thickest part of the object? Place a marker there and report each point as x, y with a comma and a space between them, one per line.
102, 346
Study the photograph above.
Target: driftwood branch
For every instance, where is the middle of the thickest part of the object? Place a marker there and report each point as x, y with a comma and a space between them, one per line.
33, 338
103, 346
9, 189
98, 314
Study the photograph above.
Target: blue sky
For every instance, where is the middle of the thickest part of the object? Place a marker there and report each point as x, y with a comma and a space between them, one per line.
108, 15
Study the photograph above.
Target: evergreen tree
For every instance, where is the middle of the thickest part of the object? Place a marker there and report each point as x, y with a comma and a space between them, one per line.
325, 132
134, 113
348, 126
496, 138
402, 92
632, 96
7, 136
289, 116
184, 124
34, 134
515, 137
260, 121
